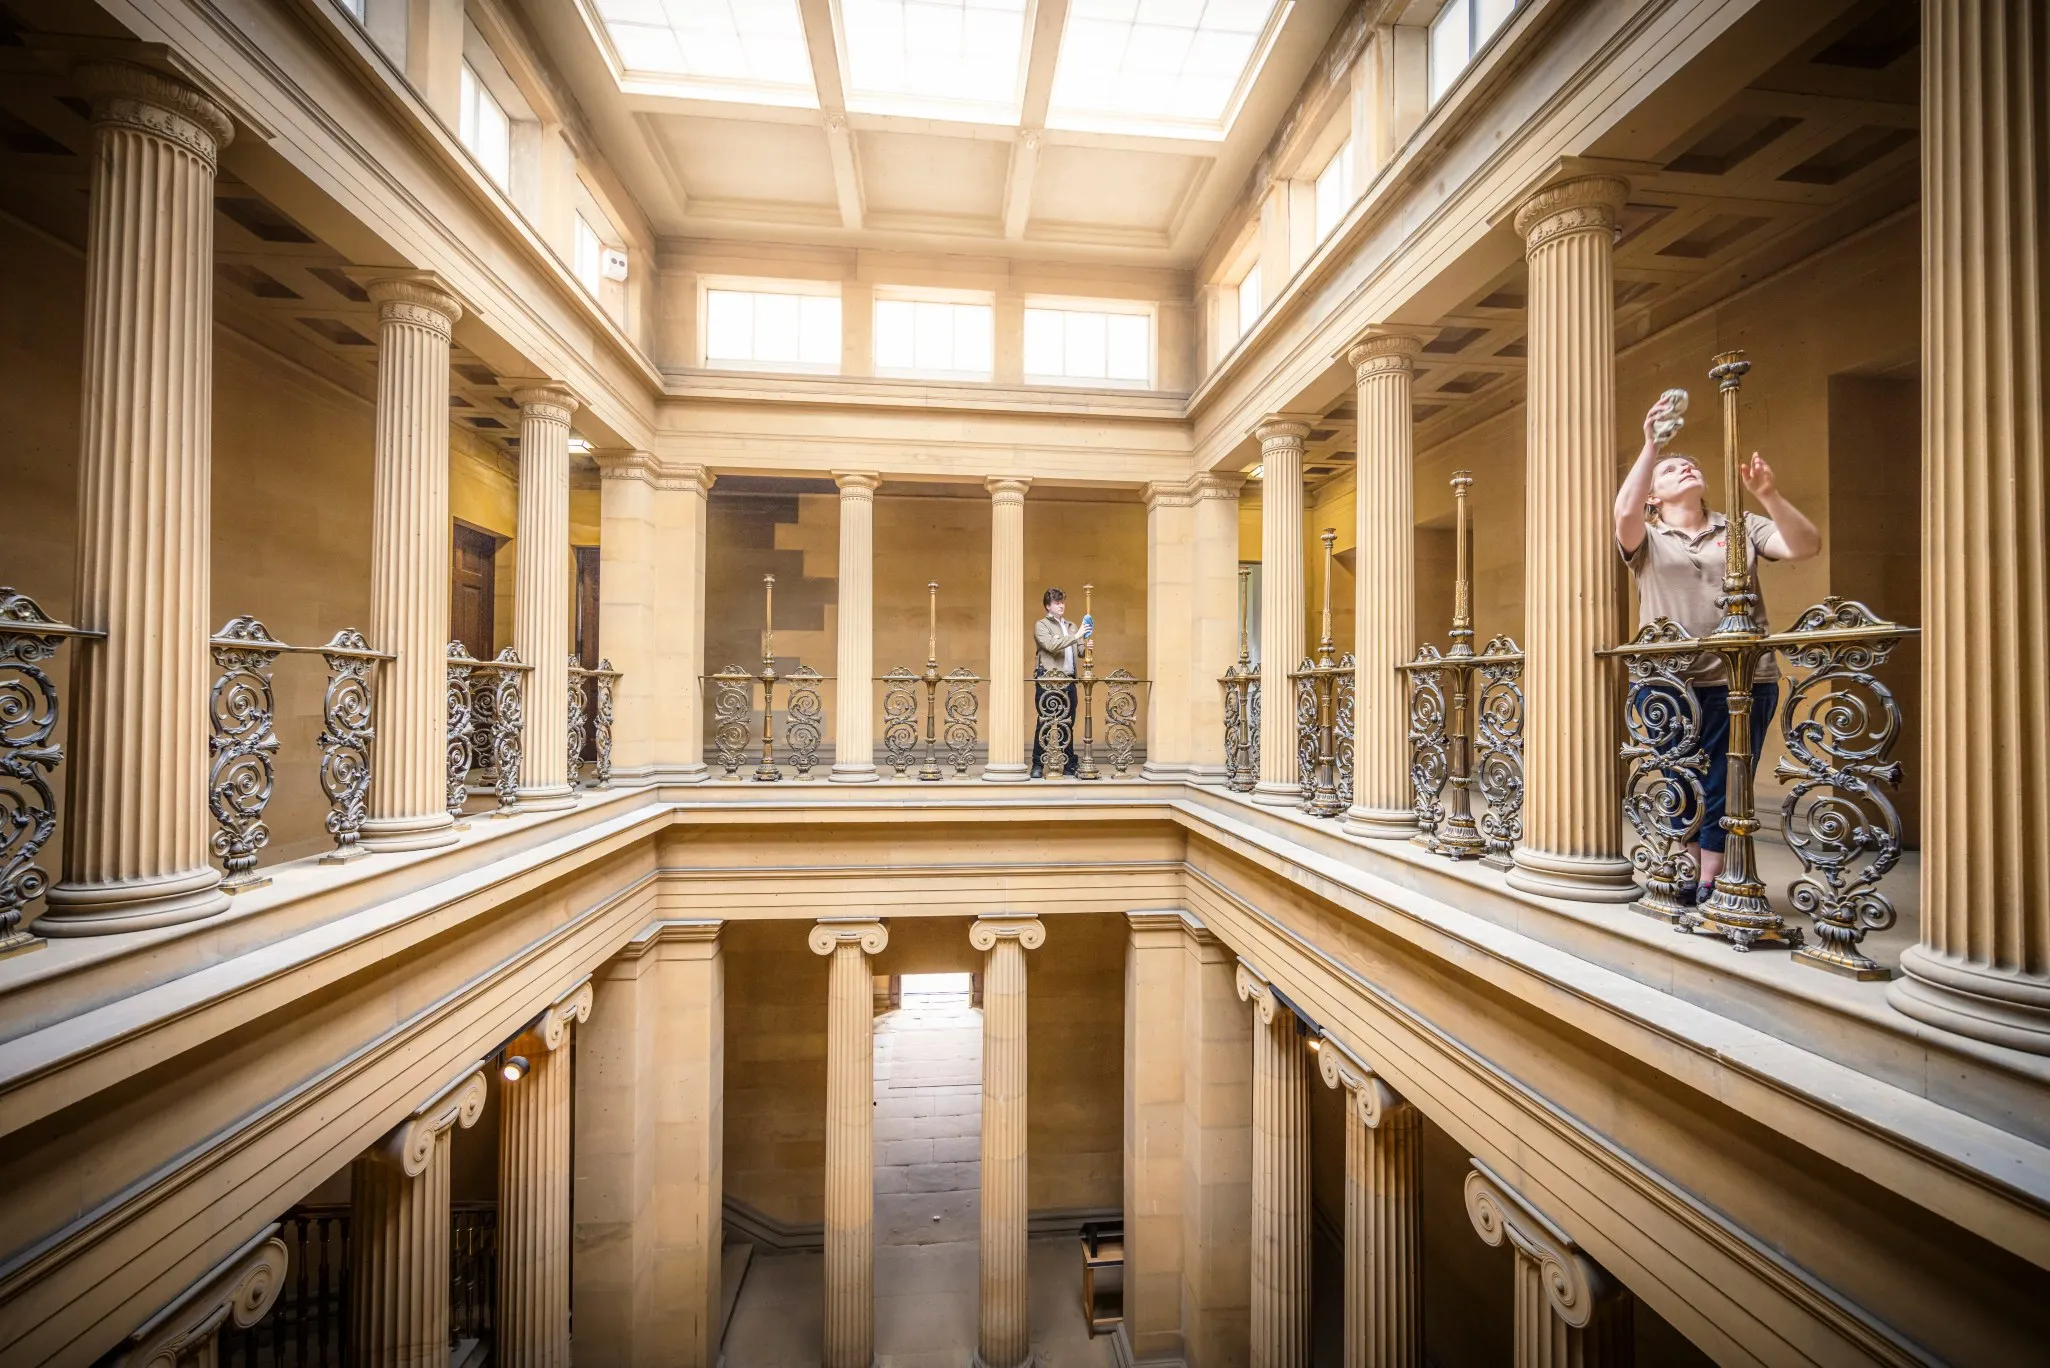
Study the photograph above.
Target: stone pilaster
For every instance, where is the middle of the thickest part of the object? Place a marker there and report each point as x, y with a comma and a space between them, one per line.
630, 595
1170, 581
1569, 1314
1010, 656
1217, 1243
850, 1311
854, 726
136, 828
1214, 609
409, 566
680, 492
1383, 363
1158, 1142
399, 1233
1004, 1338
532, 1329
649, 1158
1572, 810
1281, 605
1983, 965
1384, 1232
1281, 1180
239, 1292
541, 592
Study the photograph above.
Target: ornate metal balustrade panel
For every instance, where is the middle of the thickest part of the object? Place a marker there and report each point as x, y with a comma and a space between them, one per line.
960, 711
346, 731
1342, 726
1056, 722
30, 716
1429, 748
507, 710
1240, 730
461, 724
579, 717
590, 720
1305, 732
607, 682
243, 743
900, 720
1121, 719
1498, 742
732, 717
1663, 799
804, 719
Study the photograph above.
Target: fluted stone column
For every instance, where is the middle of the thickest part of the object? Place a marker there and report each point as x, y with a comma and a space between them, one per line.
1569, 1314
680, 493
1572, 811
1383, 363
1214, 607
409, 566
854, 726
1010, 660
239, 1292
541, 592
1384, 1231
533, 1193
1281, 1180
850, 1311
1983, 965
136, 828
1281, 605
630, 590
399, 1234
1004, 1337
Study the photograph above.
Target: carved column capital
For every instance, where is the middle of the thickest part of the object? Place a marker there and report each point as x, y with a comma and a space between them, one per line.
1254, 988
411, 1146
990, 928
1007, 489
420, 298
1170, 494
1218, 484
830, 933
1573, 1284
545, 401
1382, 350
572, 1008
1281, 433
626, 464
1584, 204
242, 1289
685, 478
1370, 1094
857, 484
157, 104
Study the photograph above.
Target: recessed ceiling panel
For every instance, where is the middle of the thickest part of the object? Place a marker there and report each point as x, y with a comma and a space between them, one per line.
737, 159
1111, 187
916, 173
1150, 62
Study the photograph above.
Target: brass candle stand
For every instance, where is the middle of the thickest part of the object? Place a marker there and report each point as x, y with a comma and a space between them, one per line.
733, 712
1241, 684
1466, 725
901, 688
1323, 695
1839, 726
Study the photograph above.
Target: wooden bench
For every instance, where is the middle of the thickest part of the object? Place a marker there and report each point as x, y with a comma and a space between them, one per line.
1103, 1259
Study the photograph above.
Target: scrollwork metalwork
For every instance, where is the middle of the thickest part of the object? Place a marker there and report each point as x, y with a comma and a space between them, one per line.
461, 724
1056, 723
507, 708
1498, 736
346, 732
29, 715
1121, 719
1841, 724
1238, 769
900, 720
243, 744
804, 719
961, 710
1342, 724
484, 732
733, 710
579, 719
1305, 733
1663, 799
1253, 705
607, 679
1429, 749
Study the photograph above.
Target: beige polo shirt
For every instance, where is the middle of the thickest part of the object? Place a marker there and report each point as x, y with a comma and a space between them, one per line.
1680, 576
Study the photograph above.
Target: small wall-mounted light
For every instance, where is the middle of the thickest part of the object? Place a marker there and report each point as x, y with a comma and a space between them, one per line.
1316, 1044
513, 1069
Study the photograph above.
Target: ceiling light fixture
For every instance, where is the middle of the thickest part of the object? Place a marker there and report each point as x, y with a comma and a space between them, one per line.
513, 1068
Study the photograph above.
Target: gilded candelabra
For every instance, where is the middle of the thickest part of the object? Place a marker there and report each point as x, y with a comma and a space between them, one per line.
1466, 725
901, 689
1323, 700
1839, 726
733, 709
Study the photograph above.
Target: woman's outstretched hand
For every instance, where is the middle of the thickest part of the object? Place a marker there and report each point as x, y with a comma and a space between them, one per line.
1758, 478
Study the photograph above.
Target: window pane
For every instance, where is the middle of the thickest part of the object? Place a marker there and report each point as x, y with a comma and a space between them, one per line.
775, 327
1488, 16
974, 338
1128, 347
1249, 300
1043, 342
590, 265
1450, 46
466, 120
1085, 346
894, 330
729, 326
1334, 190
932, 337
818, 327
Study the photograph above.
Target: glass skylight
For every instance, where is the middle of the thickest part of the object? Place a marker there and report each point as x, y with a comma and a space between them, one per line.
1178, 61
755, 44
934, 54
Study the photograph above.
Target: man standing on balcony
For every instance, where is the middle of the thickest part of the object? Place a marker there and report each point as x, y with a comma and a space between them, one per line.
1675, 548
1054, 704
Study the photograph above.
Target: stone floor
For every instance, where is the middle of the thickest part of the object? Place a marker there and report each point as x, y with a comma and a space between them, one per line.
928, 1177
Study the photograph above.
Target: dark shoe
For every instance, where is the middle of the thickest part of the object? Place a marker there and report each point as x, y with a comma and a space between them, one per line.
1038, 773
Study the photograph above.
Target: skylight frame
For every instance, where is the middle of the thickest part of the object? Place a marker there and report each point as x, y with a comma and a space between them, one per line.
860, 99
750, 90
1168, 125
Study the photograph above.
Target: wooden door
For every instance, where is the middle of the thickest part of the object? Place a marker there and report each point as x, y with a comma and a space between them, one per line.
471, 606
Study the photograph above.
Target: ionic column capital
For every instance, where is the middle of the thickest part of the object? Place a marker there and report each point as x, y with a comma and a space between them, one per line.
411, 1145
546, 401
1573, 1285
990, 928
1383, 350
241, 1289
1170, 494
1583, 204
1007, 489
420, 298
157, 104
830, 933
857, 484
1281, 433
683, 478
626, 464
572, 1008
1374, 1100
1218, 484
1254, 988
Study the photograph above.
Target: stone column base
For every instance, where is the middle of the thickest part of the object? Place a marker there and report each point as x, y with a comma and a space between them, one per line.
1380, 824
389, 835
1006, 774
853, 773
1574, 877
545, 798
134, 905
1972, 1000
1278, 795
